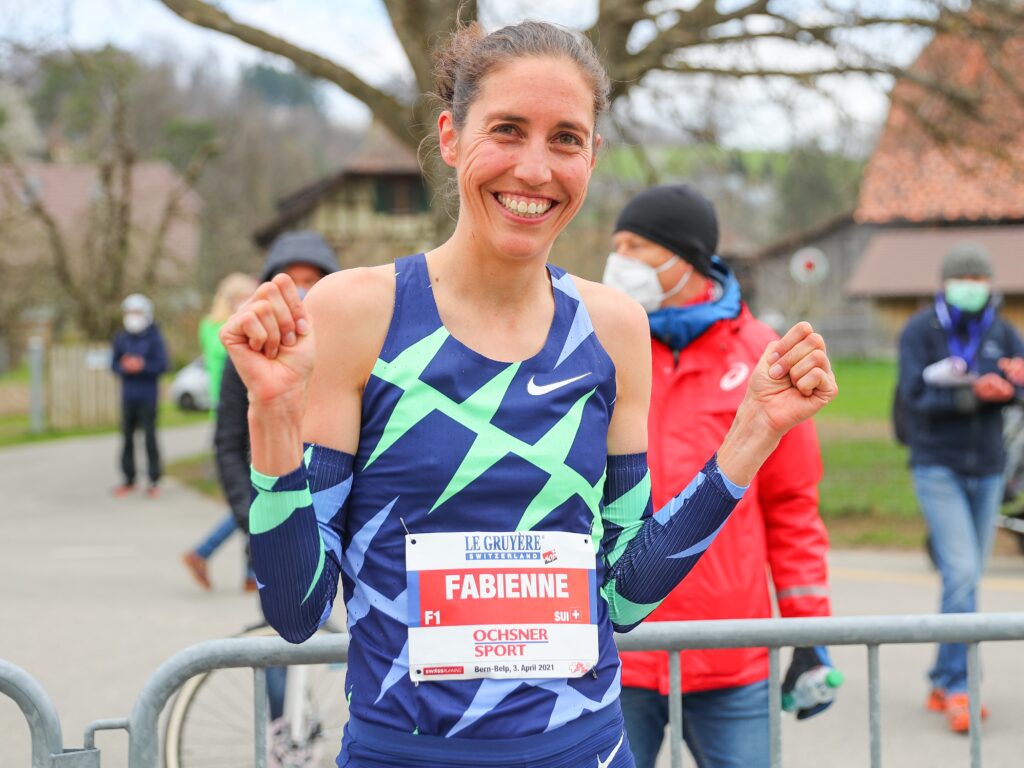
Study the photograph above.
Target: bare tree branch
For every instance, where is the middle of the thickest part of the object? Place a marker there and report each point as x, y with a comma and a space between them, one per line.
120, 202
58, 247
385, 107
170, 211
637, 37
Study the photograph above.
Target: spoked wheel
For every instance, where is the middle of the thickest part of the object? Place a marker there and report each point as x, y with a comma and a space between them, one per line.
210, 724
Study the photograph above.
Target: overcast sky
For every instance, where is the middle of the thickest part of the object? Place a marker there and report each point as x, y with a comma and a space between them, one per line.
357, 34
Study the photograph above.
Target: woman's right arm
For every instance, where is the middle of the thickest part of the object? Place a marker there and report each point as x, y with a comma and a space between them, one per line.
300, 491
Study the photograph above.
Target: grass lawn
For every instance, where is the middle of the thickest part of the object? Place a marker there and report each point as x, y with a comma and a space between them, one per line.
865, 391
198, 472
866, 495
15, 427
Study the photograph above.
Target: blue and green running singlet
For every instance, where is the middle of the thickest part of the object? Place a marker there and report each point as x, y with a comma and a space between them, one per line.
454, 441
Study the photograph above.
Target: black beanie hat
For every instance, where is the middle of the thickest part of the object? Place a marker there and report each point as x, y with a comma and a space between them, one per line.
676, 217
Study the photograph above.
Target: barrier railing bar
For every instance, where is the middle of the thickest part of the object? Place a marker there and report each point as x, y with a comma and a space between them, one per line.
668, 636
775, 707
874, 706
110, 724
230, 653
675, 709
836, 630
38, 709
260, 693
974, 692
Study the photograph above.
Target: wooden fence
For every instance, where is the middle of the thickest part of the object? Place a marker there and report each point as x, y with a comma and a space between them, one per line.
81, 390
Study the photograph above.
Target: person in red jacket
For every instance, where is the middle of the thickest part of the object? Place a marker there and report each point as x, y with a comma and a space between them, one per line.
705, 343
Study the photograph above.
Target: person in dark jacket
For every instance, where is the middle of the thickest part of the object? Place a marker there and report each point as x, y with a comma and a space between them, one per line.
305, 257
959, 363
139, 357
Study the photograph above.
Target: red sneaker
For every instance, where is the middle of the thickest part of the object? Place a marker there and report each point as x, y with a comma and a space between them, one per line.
123, 490
958, 714
153, 491
936, 700
197, 567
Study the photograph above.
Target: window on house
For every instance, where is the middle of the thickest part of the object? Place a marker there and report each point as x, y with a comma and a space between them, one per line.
391, 195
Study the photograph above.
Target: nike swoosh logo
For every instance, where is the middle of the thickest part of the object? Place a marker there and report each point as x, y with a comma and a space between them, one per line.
608, 760
542, 389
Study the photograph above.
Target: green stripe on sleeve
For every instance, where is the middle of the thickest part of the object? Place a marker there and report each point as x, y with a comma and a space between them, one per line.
271, 508
624, 612
319, 570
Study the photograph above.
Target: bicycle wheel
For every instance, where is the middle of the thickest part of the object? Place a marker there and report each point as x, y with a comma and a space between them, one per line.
210, 723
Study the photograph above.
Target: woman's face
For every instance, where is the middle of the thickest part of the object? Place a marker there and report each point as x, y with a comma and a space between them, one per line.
524, 155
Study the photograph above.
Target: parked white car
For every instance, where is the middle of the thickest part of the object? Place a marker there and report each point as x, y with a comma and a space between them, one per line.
190, 389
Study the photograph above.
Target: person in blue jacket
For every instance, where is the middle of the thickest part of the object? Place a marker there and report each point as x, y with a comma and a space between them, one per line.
959, 363
139, 357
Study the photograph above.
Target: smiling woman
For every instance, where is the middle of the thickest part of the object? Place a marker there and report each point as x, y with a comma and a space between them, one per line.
477, 394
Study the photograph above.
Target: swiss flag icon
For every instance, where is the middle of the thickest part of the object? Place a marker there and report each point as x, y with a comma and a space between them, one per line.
575, 613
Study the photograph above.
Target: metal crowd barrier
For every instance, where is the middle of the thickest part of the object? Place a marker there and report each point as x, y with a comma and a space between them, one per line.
259, 653
870, 631
44, 725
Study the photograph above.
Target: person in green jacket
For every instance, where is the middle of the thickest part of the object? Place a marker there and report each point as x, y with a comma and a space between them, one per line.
232, 292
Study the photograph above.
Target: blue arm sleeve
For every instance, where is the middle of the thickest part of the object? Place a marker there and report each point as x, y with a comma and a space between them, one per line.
295, 526
648, 553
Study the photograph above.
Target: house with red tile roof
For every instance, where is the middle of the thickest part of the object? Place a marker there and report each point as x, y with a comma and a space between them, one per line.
938, 176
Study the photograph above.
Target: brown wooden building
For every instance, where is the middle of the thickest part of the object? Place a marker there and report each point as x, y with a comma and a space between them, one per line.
374, 208
920, 196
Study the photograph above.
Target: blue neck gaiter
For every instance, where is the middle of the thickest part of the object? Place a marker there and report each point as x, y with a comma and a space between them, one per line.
678, 326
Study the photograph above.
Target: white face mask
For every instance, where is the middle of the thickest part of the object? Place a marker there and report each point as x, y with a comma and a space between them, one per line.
135, 323
639, 280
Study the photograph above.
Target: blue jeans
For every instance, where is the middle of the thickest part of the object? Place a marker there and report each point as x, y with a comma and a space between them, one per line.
724, 728
217, 536
960, 511
277, 680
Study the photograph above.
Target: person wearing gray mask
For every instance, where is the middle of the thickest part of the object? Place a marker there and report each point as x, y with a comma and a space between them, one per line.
306, 257
960, 364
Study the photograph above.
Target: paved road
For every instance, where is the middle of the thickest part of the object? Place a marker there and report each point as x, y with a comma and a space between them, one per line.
93, 598
92, 592
876, 583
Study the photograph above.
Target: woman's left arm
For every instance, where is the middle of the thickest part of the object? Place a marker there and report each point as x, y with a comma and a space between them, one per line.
646, 553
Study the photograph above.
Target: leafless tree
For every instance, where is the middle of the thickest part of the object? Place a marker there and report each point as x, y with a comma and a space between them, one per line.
108, 256
765, 39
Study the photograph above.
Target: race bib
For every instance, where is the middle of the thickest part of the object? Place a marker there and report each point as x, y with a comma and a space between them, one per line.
494, 604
